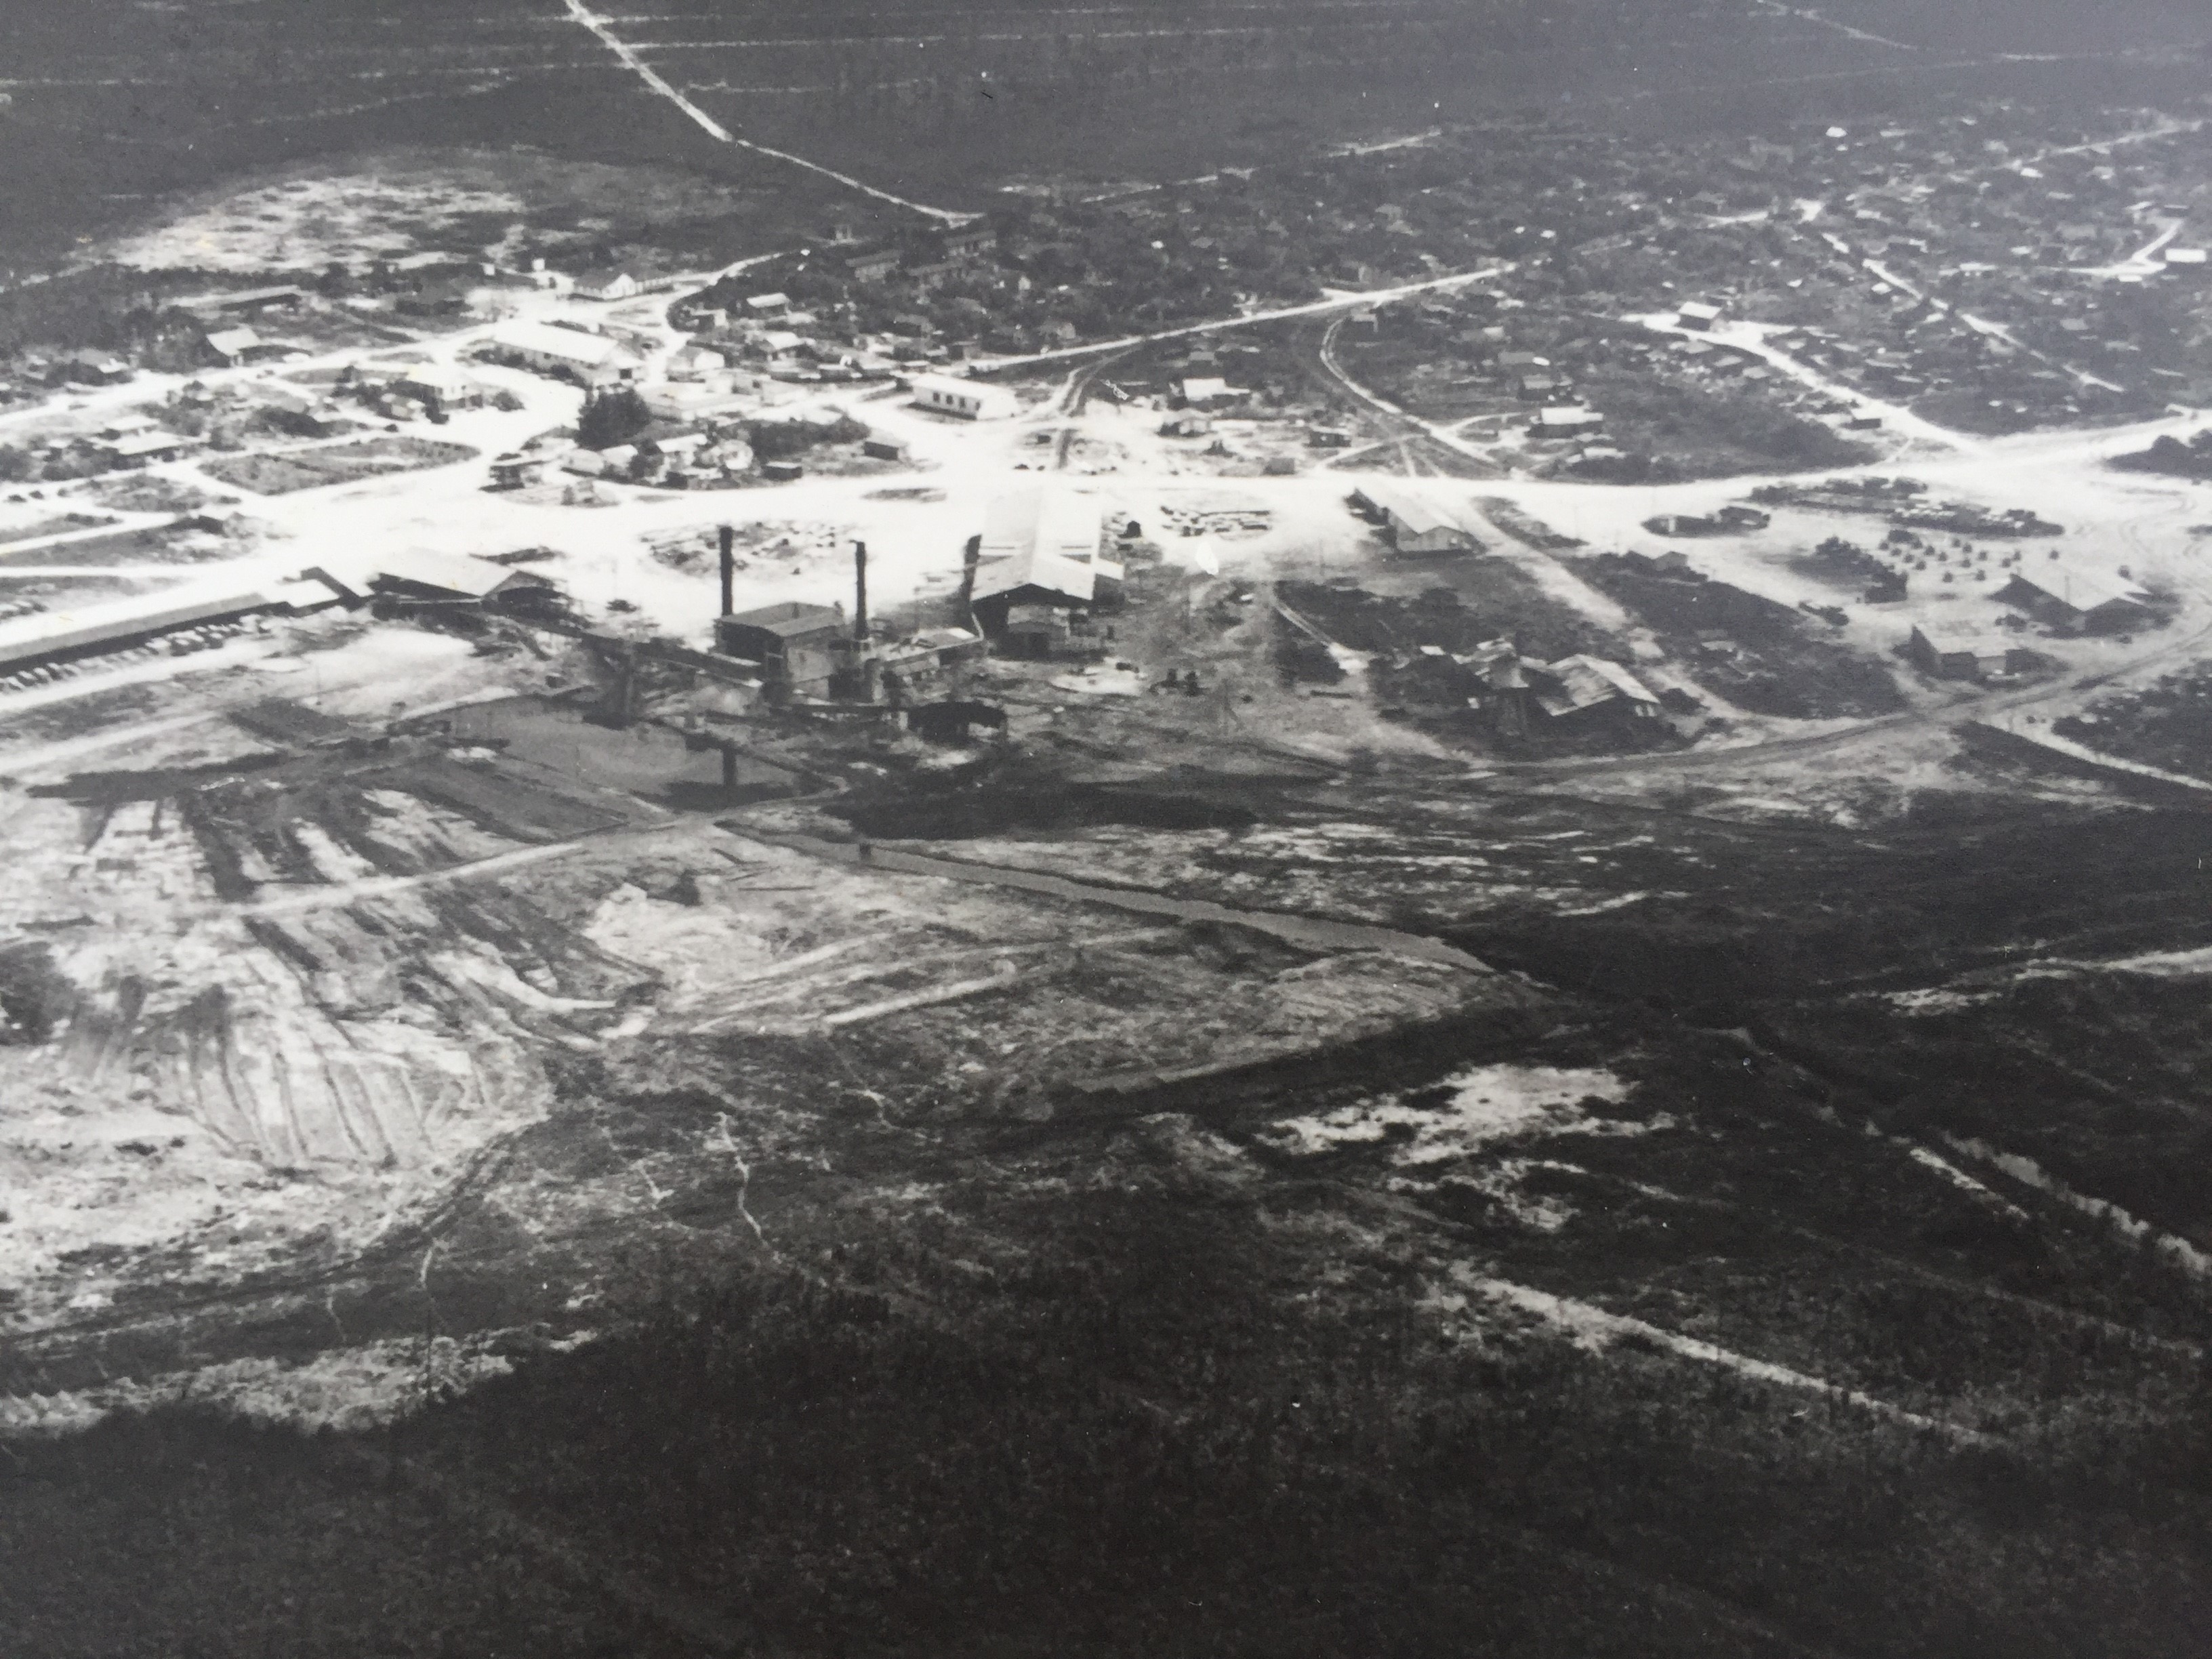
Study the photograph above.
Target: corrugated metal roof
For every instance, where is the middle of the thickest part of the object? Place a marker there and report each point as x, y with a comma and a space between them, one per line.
1584, 681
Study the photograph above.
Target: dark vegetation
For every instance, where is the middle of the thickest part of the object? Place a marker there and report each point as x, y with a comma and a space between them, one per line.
1760, 655
2173, 457
998, 799
1136, 1430
2167, 724
1098, 1393
1474, 600
611, 418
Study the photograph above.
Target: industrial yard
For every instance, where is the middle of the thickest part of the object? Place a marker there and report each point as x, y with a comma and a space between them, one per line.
1390, 844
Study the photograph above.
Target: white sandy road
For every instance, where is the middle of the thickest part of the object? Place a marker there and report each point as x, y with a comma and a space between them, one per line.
632, 60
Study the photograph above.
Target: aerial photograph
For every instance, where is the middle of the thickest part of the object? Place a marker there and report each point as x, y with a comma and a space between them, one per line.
1002, 828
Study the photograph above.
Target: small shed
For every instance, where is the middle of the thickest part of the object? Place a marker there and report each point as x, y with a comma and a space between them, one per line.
1957, 649
797, 645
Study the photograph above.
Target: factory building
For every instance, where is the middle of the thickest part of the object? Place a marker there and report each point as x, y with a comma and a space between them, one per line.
800, 647
1040, 549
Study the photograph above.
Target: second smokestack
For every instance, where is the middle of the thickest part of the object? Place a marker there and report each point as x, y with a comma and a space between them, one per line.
728, 536
860, 592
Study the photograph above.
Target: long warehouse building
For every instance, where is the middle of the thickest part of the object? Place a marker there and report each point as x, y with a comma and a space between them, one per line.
93, 631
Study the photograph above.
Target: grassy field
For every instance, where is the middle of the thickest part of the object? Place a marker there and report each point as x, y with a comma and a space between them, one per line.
346, 463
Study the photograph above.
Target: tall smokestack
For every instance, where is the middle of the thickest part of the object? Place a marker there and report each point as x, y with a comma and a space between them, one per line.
860, 592
729, 538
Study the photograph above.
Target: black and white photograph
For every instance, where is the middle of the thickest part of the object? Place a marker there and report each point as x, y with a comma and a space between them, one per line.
1105, 829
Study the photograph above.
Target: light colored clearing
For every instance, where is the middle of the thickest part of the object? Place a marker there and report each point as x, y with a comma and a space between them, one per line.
1935, 1001
1501, 1185
344, 1388
1965, 1182
1594, 1330
348, 218
1486, 1103
2178, 1251
2157, 964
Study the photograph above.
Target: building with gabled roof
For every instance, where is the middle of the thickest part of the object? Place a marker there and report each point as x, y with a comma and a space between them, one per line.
1410, 522
1040, 546
230, 346
2067, 596
1580, 684
606, 284
424, 575
1959, 648
594, 360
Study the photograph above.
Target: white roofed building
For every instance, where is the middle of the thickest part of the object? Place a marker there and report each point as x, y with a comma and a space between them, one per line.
1041, 546
592, 360
968, 400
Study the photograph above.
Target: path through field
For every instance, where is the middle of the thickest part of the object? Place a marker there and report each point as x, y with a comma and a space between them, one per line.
716, 130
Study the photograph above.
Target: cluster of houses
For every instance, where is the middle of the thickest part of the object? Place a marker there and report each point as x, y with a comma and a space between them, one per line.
942, 259
122, 443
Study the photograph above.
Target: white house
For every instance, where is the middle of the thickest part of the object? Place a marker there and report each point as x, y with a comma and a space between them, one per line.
606, 285
966, 399
692, 362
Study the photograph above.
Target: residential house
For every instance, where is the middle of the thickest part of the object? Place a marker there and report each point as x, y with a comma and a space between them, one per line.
603, 283
144, 448
228, 347
969, 400
439, 388
95, 368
